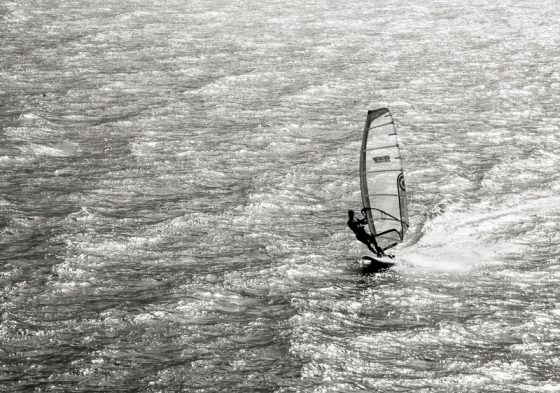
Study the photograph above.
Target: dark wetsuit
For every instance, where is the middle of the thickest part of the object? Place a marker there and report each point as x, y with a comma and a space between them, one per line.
357, 226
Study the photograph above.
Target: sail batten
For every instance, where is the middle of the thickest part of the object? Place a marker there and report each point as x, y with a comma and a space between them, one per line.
382, 125
378, 195
382, 147
382, 179
384, 170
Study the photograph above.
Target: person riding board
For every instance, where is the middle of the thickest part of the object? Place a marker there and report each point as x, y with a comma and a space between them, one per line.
357, 226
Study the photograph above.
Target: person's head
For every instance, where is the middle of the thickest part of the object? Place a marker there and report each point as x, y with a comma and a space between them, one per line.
351, 214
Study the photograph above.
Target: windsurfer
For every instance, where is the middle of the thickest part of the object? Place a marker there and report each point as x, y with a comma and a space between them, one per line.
357, 226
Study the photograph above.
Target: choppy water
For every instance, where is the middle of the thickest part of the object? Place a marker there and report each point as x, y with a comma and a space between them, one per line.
175, 175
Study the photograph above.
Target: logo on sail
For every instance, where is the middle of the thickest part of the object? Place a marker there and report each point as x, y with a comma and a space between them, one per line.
381, 159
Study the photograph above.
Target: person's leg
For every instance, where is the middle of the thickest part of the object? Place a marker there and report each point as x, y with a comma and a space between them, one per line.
373, 250
378, 249
367, 240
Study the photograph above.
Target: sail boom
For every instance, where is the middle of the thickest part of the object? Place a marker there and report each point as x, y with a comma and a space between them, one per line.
391, 219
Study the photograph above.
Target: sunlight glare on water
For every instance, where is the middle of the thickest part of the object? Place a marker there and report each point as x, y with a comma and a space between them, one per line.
175, 178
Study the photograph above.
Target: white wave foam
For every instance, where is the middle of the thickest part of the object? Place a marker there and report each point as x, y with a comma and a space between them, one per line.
462, 238
43, 150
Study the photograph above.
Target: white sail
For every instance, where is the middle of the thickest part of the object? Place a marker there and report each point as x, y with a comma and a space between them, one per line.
382, 179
